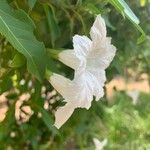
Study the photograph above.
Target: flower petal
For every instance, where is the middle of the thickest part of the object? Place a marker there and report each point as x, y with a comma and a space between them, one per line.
98, 30
102, 56
82, 45
99, 80
63, 114
85, 86
69, 58
99, 74
60, 83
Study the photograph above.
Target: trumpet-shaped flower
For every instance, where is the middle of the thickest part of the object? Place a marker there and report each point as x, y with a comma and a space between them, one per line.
91, 56
89, 59
88, 54
77, 93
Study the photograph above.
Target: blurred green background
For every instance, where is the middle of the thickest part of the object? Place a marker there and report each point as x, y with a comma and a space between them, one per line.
27, 106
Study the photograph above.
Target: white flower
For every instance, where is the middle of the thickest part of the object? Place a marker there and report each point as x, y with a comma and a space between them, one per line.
88, 54
89, 59
99, 145
77, 93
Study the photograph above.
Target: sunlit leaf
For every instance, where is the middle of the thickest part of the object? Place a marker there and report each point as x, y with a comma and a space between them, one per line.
125, 10
18, 61
142, 2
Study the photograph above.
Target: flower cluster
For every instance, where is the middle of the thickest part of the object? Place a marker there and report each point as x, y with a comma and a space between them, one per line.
89, 59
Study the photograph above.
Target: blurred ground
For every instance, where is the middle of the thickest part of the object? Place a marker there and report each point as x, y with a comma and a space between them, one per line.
120, 84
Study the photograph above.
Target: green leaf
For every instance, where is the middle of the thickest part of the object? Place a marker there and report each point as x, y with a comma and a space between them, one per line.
31, 3
125, 10
45, 146
143, 2
18, 61
92, 9
53, 26
18, 28
47, 119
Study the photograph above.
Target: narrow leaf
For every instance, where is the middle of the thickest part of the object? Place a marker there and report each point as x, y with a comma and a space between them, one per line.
31, 3
53, 26
125, 10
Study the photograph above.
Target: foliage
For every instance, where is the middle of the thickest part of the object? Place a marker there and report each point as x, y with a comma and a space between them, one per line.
30, 30
17, 27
